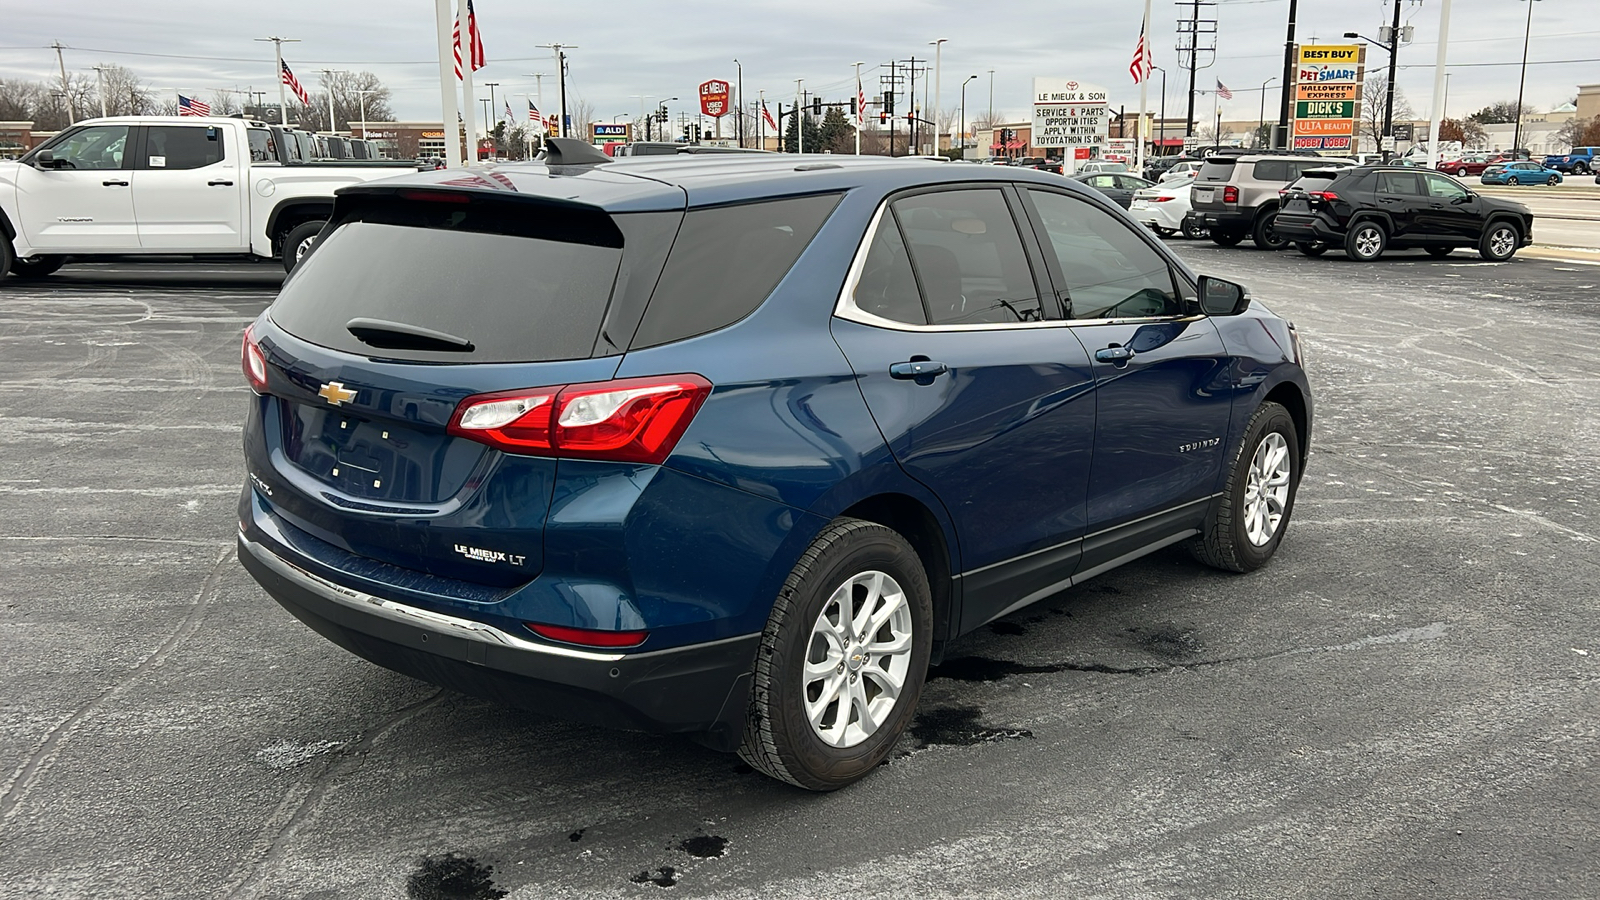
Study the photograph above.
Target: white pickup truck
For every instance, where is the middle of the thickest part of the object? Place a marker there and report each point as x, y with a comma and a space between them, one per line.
201, 185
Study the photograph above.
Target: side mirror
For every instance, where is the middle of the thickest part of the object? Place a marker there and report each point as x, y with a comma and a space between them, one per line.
45, 159
1466, 198
1222, 298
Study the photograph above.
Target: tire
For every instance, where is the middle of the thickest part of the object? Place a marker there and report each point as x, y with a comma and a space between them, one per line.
1439, 252
1164, 232
1240, 533
780, 738
1461, 173
1308, 248
1580, 169
1263, 235
1194, 232
38, 267
1553, 180
1365, 241
7, 256
299, 242
1499, 241
1512, 181
1226, 238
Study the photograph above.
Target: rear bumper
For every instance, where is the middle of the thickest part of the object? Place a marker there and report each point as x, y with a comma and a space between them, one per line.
701, 689
1305, 229
1226, 220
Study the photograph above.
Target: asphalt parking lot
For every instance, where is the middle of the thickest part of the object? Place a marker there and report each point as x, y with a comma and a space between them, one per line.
1404, 704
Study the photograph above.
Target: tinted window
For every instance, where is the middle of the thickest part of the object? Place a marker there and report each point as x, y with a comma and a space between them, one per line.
100, 147
1131, 183
517, 299
1108, 270
182, 146
1399, 183
1216, 169
725, 262
1314, 180
887, 287
1444, 188
262, 147
968, 257
1272, 170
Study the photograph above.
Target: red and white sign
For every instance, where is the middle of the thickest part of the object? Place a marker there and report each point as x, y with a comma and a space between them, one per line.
714, 98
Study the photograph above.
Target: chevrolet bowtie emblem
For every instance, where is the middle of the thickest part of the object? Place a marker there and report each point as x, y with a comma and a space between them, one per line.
335, 393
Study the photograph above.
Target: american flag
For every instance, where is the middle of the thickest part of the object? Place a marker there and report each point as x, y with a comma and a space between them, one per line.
188, 107
861, 103
1222, 90
511, 120
294, 84
478, 60
766, 115
533, 113
1142, 60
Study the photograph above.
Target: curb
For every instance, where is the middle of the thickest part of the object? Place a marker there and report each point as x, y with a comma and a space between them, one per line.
1561, 254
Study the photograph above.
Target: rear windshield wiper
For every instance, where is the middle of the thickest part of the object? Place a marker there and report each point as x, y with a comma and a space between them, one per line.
400, 336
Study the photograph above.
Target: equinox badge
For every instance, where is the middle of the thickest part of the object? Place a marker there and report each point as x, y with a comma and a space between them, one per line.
335, 393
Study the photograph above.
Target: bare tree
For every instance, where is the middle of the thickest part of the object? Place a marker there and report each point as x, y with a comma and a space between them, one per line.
1374, 98
224, 103
20, 100
348, 89
582, 112
125, 93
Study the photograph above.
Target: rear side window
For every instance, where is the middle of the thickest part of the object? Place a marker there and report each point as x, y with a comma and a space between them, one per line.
725, 262
1273, 170
262, 147
530, 295
1109, 272
1216, 169
182, 146
1403, 183
887, 287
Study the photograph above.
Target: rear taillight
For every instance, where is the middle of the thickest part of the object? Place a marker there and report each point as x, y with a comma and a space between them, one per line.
1162, 199
628, 420
1323, 195
254, 362
589, 637
1230, 194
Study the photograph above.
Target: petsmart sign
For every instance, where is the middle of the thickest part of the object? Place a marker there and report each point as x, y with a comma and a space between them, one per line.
1327, 95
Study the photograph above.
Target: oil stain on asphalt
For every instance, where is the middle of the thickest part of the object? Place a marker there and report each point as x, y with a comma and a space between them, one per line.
452, 877
666, 877
958, 726
704, 846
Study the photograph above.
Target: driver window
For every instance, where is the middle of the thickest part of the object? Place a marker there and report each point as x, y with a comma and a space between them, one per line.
1107, 270
968, 257
96, 147
1444, 188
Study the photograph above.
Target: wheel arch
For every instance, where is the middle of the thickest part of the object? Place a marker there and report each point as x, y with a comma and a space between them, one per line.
7, 230
914, 521
292, 212
1503, 216
1382, 218
1289, 396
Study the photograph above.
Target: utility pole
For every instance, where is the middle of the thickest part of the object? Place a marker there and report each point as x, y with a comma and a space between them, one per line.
561, 81
1516, 134
277, 53
66, 89
761, 123
891, 81
491, 85
799, 118
1394, 56
1191, 32
1288, 81
738, 108
100, 84
938, 46
913, 145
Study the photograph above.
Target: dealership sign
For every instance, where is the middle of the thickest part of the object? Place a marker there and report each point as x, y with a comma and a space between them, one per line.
714, 98
1327, 96
1068, 113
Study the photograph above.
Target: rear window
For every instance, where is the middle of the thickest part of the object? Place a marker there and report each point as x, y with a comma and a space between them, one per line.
1314, 180
725, 262
537, 293
1216, 169
1272, 170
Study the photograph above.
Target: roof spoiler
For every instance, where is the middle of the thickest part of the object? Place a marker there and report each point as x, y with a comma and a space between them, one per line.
560, 151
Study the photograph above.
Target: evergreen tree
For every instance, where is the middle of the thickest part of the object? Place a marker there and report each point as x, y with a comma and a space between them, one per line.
813, 135
837, 133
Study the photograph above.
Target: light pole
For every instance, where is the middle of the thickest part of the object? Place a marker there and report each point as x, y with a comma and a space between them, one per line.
327, 74
964, 115
1522, 80
100, 81
1261, 119
991, 98
1394, 52
491, 85
277, 52
363, 99
1163, 125
738, 110
938, 47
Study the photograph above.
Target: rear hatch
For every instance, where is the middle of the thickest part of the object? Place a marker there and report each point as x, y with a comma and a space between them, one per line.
413, 300
1308, 193
1214, 174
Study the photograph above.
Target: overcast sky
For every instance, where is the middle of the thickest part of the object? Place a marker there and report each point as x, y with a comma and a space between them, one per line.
664, 49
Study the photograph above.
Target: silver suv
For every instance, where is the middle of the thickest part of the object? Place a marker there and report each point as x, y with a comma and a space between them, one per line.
1237, 196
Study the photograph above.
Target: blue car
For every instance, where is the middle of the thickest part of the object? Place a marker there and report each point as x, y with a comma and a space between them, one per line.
736, 446
1524, 172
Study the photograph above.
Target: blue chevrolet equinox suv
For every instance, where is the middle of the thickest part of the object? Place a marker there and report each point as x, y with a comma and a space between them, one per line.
734, 446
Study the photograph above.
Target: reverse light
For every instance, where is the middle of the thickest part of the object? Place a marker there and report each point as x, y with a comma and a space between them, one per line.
1230, 194
626, 420
254, 362
588, 637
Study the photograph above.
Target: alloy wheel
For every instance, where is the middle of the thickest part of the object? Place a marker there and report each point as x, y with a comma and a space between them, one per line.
1266, 491
1502, 241
857, 659
304, 247
1369, 240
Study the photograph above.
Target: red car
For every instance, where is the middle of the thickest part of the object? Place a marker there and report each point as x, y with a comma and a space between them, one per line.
1475, 163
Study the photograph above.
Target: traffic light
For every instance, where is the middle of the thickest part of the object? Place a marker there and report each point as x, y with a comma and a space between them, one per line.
853, 107
816, 106
685, 132
888, 102
661, 114
882, 117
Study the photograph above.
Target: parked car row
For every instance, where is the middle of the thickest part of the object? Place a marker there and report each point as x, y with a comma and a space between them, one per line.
1364, 210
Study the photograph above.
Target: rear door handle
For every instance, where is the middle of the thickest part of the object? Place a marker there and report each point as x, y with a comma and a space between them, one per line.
919, 370
219, 182
115, 183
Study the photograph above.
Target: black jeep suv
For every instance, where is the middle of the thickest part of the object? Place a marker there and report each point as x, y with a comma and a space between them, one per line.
1369, 209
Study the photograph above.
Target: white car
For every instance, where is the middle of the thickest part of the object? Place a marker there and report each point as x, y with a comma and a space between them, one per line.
1185, 169
1165, 208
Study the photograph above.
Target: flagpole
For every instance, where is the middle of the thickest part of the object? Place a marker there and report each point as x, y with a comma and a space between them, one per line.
447, 84
469, 106
277, 54
761, 121
1144, 87
861, 114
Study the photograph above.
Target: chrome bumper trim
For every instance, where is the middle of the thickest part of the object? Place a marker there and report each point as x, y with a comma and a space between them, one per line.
439, 623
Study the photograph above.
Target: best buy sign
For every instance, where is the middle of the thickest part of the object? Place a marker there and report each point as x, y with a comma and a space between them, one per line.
1325, 109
